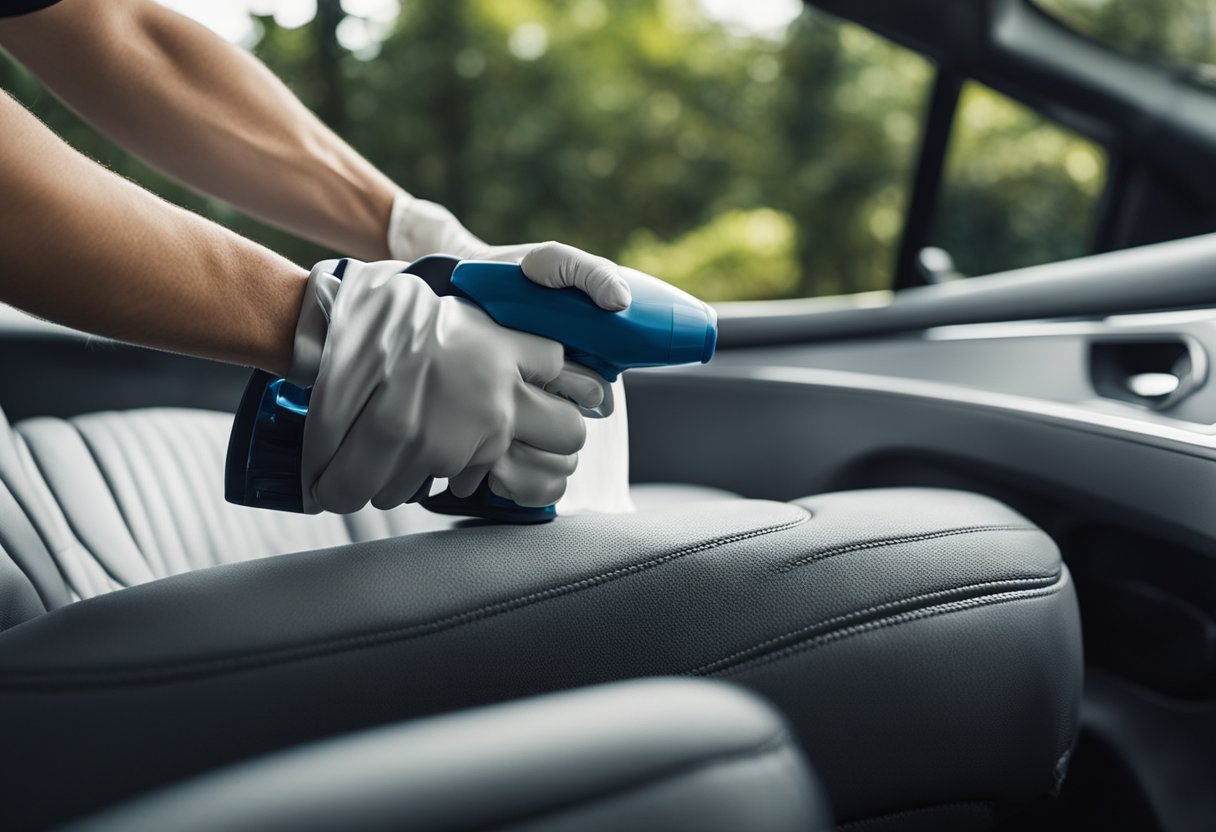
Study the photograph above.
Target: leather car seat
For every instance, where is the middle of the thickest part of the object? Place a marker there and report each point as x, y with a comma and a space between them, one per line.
923, 644
670, 754
137, 495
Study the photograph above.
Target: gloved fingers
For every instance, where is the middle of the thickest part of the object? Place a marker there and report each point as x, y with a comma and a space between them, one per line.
354, 475
466, 482
367, 460
440, 457
547, 422
531, 477
558, 265
399, 490
585, 388
540, 360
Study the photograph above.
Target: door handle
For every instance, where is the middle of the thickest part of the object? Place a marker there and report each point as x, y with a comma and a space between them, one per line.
1155, 371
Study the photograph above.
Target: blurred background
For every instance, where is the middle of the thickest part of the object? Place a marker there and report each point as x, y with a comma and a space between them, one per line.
741, 150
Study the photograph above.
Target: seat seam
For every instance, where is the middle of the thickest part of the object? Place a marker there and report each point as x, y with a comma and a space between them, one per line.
170, 490
199, 549
778, 742
130, 453
109, 481
725, 661
880, 542
71, 524
886, 623
35, 521
42, 679
860, 823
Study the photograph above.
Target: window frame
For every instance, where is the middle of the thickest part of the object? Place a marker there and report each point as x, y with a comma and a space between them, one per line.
1157, 126
941, 117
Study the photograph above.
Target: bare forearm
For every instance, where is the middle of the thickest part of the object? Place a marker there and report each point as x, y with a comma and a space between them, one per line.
86, 248
207, 114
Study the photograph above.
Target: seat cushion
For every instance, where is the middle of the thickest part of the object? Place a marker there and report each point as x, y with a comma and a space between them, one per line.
138, 495
646, 754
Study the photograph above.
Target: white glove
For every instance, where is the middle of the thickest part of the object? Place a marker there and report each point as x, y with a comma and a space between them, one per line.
407, 385
417, 227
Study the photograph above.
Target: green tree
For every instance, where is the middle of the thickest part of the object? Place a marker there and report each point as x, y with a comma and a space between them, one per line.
740, 165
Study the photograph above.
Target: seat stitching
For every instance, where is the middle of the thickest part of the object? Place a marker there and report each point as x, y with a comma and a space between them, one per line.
876, 608
778, 742
37, 678
884, 623
861, 823
893, 541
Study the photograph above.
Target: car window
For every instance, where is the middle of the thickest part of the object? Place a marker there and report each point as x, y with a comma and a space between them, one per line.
1018, 189
739, 150
1173, 31
816, 148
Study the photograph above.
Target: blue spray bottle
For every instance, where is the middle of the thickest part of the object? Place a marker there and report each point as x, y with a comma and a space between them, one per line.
662, 326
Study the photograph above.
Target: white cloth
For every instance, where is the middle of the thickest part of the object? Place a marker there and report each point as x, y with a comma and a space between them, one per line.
600, 484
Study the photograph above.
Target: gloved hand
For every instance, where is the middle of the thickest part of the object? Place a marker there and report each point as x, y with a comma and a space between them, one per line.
417, 227
407, 385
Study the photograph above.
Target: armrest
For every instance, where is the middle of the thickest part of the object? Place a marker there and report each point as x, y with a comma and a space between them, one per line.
653, 754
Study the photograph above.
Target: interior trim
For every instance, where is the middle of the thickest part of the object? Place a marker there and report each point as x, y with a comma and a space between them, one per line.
1164, 276
1188, 437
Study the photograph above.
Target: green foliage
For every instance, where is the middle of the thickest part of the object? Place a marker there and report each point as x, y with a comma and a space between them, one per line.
708, 260
740, 166
1017, 190
1174, 31
604, 125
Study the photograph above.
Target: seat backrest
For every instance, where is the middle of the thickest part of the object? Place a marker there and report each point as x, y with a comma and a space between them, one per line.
108, 500
30, 580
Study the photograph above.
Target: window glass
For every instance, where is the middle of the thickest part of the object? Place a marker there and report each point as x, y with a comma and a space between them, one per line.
1176, 31
742, 150
1018, 190
818, 144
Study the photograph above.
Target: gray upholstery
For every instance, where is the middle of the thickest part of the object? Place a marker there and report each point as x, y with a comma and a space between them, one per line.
923, 644
654, 754
137, 495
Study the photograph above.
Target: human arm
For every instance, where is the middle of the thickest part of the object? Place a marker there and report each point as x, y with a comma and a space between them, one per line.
214, 117
406, 384
206, 113
84, 247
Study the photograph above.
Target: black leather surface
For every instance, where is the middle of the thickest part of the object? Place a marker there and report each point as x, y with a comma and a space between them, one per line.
923, 644
654, 754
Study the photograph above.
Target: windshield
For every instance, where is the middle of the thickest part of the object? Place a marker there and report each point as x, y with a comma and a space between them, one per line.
1179, 32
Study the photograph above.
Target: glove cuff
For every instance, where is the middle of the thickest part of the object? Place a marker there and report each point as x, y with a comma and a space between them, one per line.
417, 227
313, 323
